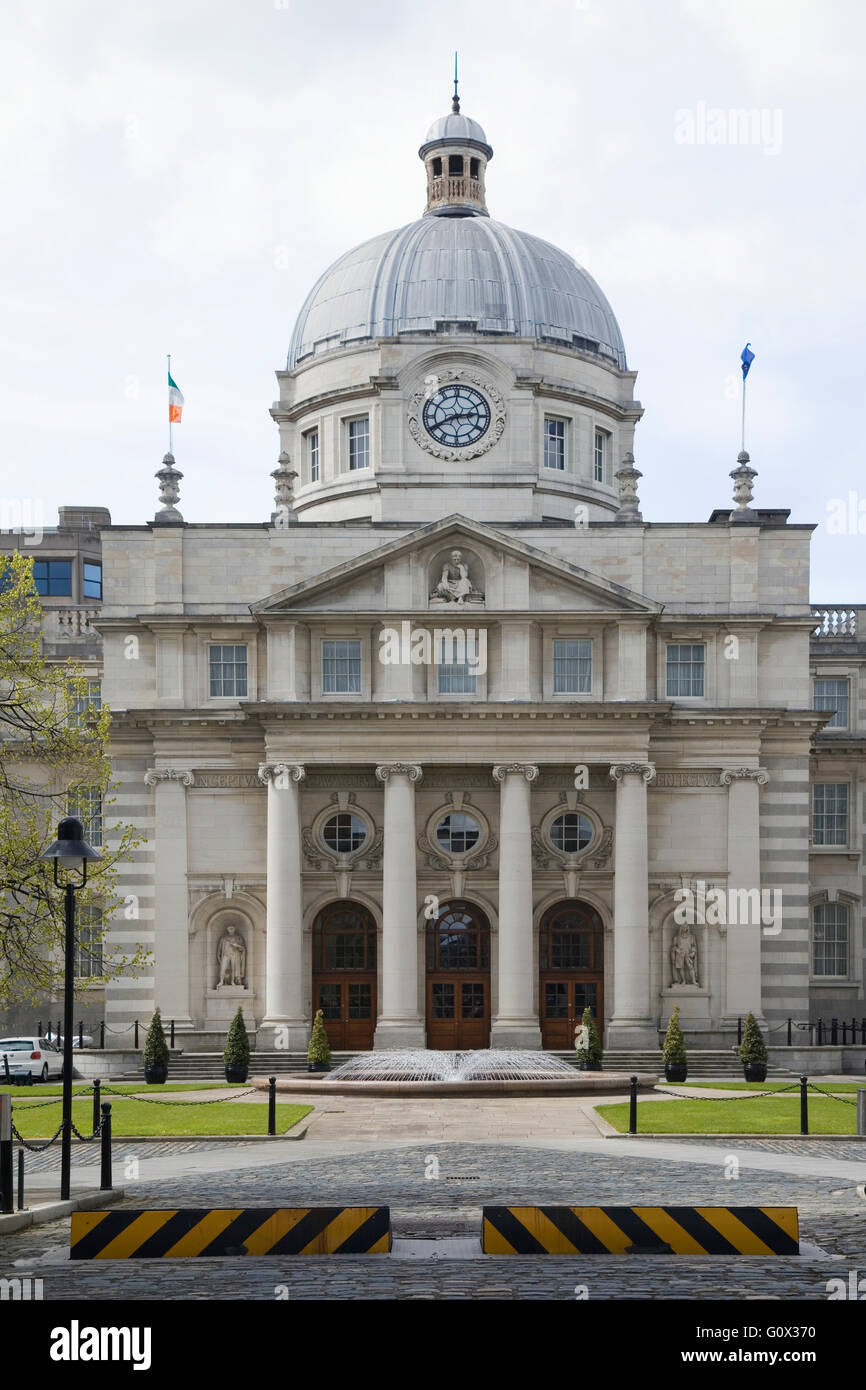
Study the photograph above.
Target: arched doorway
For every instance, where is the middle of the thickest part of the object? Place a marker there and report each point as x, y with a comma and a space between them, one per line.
571, 968
458, 978
344, 974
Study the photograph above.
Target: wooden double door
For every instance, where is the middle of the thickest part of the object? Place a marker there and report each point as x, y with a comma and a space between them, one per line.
458, 978
571, 972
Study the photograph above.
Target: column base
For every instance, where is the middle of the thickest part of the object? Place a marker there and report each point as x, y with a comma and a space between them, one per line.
399, 1033
631, 1033
523, 1033
283, 1035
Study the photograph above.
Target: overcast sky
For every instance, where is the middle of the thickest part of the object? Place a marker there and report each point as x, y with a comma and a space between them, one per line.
177, 175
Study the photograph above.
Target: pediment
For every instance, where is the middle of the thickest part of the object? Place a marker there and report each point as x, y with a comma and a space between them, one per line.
501, 573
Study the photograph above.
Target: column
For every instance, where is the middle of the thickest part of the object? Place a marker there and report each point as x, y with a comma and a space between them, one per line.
633, 1024
400, 1023
743, 932
516, 1021
285, 1011
170, 894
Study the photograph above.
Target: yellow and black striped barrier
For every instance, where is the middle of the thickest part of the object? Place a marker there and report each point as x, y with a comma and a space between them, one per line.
640, 1230
172, 1235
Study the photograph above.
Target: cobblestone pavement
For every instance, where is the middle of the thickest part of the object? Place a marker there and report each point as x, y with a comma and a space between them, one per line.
832, 1217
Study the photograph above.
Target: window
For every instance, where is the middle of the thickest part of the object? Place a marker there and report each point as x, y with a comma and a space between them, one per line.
344, 833
88, 944
53, 577
571, 937
456, 676
88, 702
458, 939
473, 168
830, 939
313, 455
437, 167
833, 694
344, 938
455, 164
85, 804
572, 667
341, 667
602, 450
830, 813
92, 587
359, 444
458, 833
571, 832
228, 670
686, 665
554, 443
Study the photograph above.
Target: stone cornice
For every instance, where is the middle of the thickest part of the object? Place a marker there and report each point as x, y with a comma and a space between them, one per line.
558, 390
325, 398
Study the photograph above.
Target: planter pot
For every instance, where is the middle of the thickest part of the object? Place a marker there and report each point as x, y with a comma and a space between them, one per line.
155, 1076
237, 1073
318, 1066
589, 1066
676, 1071
755, 1071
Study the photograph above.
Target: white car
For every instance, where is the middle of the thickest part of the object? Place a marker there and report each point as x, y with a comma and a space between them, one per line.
30, 1059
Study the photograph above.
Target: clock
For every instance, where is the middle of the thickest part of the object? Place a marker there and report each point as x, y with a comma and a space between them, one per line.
456, 416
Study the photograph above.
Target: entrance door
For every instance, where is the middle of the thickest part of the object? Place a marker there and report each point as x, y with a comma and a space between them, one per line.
344, 975
458, 979
571, 959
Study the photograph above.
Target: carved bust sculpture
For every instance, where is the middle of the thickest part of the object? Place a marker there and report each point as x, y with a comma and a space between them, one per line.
684, 957
231, 957
455, 584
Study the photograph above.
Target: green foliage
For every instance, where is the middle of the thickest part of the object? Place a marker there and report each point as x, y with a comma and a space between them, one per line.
50, 751
237, 1048
591, 1051
674, 1045
155, 1046
319, 1050
752, 1048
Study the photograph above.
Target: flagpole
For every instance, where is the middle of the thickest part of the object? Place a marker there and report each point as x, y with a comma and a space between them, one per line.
743, 432
168, 355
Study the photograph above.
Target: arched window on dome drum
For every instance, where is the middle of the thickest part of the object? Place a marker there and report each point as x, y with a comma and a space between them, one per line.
455, 164
344, 938
571, 938
437, 167
458, 939
474, 165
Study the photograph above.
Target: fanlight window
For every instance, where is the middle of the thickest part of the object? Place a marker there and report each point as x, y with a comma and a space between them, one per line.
571, 938
344, 938
458, 939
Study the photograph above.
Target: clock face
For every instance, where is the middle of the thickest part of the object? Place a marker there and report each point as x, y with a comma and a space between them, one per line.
456, 416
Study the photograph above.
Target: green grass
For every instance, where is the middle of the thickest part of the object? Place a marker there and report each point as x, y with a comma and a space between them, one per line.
130, 1117
834, 1086
40, 1092
770, 1116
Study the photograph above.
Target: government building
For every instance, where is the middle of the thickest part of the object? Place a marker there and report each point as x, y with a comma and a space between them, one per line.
455, 743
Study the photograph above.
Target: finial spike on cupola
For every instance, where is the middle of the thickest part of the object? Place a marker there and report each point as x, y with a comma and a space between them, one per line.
455, 103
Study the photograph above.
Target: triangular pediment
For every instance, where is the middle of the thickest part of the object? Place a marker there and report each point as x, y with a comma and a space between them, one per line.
512, 575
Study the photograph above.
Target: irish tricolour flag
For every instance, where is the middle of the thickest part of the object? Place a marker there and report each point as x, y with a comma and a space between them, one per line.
175, 402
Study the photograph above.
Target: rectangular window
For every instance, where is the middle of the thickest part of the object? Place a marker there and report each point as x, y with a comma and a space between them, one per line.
554, 444
53, 578
313, 455
830, 813
88, 702
92, 586
833, 694
830, 939
85, 804
88, 944
227, 664
572, 667
685, 672
341, 667
457, 666
599, 469
359, 444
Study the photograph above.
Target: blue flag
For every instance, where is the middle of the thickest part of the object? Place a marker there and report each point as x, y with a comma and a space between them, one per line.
747, 358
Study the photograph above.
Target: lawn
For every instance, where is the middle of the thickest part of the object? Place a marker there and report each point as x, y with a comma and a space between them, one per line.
131, 1117
834, 1086
770, 1116
41, 1092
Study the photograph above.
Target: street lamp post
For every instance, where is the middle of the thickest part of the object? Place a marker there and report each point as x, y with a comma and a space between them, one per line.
72, 852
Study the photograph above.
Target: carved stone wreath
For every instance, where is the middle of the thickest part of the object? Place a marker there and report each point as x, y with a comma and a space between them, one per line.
490, 437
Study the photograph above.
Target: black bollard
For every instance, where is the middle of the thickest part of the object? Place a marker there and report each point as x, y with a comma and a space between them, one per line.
20, 1179
102, 1036
820, 1032
272, 1105
136, 1035
789, 1032
172, 1032
5, 1153
804, 1105
80, 1035
739, 1031
632, 1105
39, 1028
97, 1098
834, 1032
105, 1156
8, 1073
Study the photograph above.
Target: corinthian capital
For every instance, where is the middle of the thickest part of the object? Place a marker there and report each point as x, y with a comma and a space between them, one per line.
645, 770
411, 770
281, 773
744, 774
527, 770
184, 775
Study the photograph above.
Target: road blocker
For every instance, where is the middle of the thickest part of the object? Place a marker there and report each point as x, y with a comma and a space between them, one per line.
200, 1232
640, 1231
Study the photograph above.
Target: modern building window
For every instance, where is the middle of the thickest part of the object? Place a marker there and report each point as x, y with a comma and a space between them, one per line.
92, 585
341, 667
88, 944
685, 669
572, 667
312, 438
84, 703
458, 833
830, 813
53, 578
571, 832
833, 694
601, 456
344, 833
830, 939
85, 804
228, 670
554, 443
457, 668
359, 444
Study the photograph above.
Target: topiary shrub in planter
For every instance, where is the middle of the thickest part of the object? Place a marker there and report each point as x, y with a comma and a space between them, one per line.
236, 1055
674, 1049
753, 1051
588, 1044
319, 1051
155, 1055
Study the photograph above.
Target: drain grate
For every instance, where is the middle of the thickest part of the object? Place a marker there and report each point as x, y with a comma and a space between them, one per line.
463, 1177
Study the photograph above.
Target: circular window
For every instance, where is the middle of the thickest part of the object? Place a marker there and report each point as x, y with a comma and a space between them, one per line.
458, 832
344, 833
571, 832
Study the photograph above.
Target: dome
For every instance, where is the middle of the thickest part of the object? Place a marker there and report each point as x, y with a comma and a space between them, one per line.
439, 270
454, 126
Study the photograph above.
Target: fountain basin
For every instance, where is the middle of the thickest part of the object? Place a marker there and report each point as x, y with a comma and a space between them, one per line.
580, 1083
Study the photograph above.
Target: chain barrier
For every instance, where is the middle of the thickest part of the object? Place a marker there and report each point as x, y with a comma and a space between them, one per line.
844, 1100
740, 1095
152, 1100
86, 1138
36, 1148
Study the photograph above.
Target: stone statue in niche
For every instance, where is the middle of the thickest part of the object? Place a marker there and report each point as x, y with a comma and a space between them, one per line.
684, 957
231, 957
455, 584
